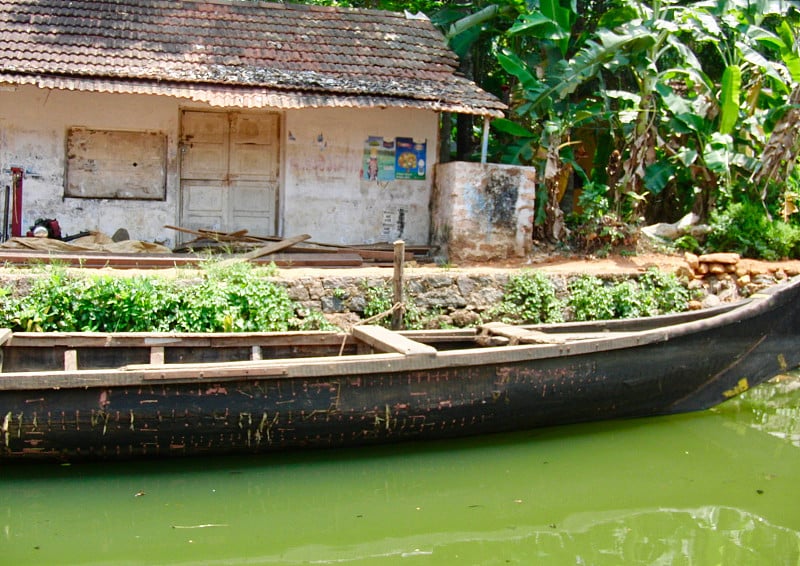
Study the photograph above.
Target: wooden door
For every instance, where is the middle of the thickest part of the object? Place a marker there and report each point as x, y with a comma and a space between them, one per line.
229, 171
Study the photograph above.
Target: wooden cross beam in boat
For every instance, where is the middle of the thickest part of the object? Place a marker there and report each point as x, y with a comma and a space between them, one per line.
385, 340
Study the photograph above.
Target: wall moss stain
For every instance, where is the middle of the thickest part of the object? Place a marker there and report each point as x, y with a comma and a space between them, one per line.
501, 193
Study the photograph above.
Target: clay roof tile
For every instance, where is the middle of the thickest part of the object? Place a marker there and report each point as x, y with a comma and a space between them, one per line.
240, 45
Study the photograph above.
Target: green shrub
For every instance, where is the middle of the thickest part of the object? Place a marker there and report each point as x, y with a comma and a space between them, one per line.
235, 299
655, 292
744, 228
590, 299
530, 297
628, 300
662, 293
109, 304
379, 300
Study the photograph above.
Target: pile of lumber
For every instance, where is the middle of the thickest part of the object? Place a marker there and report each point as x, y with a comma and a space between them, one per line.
296, 251
232, 247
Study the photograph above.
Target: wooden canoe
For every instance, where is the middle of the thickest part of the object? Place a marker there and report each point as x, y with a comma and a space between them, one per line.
124, 395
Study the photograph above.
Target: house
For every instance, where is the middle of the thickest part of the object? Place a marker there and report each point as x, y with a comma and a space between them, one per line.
226, 115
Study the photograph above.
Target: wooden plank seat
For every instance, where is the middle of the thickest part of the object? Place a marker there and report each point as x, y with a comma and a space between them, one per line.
385, 340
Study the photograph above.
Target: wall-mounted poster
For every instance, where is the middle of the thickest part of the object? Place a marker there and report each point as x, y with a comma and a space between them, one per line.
410, 159
378, 162
388, 160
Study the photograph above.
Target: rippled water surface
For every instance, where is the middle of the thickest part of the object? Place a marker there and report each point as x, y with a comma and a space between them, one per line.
719, 487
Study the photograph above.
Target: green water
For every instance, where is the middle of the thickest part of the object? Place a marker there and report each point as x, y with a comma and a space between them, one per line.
719, 487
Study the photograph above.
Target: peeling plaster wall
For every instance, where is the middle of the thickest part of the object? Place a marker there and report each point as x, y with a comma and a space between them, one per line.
33, 131
322, 191
483, 212
325, 194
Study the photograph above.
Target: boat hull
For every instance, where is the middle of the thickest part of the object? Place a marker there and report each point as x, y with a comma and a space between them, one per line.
675, 370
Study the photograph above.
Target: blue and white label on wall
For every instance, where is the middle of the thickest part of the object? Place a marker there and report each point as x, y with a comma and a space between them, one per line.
410, 159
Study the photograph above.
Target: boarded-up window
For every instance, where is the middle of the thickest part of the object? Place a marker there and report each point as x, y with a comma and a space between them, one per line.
117, 165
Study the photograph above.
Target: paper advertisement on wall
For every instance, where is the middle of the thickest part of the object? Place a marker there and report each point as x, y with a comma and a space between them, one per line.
410, 155
379, 160
388, 160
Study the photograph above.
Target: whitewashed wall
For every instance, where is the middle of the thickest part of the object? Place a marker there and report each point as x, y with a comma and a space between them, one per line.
33, 129
322, 190
325, 193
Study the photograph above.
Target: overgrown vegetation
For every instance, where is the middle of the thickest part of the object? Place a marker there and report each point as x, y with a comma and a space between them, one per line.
745, 229
654, 293
531, 298
379, 305
238, 298
659, 108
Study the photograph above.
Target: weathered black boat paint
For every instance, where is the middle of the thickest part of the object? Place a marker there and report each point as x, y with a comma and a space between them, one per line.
629, 369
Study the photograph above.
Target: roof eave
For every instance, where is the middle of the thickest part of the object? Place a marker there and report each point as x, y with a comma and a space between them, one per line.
252, 96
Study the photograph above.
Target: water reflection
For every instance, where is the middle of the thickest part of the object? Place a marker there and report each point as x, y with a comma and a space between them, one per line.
773, 409
711, 488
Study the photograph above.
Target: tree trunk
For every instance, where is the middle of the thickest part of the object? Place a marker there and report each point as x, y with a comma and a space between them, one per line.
464, 139
781, 152
445, 128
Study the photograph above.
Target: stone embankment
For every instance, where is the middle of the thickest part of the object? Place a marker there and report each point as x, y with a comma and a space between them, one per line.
725, 277
461, 297
452, 298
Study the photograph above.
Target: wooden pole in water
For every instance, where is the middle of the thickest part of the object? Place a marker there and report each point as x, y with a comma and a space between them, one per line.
397, 284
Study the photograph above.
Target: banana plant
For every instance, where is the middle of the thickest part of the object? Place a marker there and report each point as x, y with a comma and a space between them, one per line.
781, 151
541, 130
718, 130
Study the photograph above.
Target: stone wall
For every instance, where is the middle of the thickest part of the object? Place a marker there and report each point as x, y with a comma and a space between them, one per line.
460, 298
455, 298
726, 277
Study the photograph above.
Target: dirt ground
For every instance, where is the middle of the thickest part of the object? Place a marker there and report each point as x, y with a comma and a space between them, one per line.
556, 264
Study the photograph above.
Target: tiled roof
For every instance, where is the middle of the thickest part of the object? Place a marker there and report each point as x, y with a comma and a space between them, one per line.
221, 51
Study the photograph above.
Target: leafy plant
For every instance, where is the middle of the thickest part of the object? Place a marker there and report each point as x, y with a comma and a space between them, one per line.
654, 293
744, 228
687, 97
379, 300
530, 297
229, 299
662, 293
590, 299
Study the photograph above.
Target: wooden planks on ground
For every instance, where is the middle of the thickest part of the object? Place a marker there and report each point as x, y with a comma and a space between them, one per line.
155, 261
266, 250
206, 239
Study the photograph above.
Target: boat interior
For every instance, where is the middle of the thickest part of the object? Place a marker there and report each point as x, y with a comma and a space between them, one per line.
75, 351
